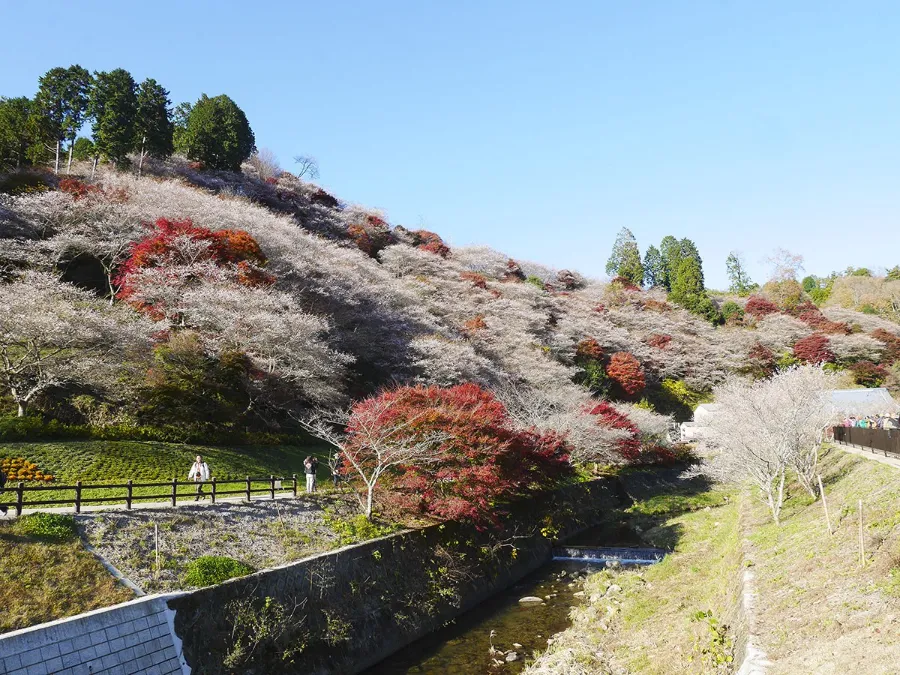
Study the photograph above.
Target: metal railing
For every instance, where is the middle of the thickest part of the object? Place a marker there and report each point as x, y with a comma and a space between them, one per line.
249, 487
883, 441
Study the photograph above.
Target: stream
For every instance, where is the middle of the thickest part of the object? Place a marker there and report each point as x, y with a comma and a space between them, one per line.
463, 646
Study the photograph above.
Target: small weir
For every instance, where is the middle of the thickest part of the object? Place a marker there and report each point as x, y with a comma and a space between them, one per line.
520, 620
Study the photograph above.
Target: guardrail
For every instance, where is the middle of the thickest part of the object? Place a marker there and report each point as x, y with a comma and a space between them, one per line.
887, 441
249, 486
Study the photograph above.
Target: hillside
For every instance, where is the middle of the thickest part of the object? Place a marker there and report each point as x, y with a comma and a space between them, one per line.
215, 302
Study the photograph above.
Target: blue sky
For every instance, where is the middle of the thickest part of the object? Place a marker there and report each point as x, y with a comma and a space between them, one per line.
543, 128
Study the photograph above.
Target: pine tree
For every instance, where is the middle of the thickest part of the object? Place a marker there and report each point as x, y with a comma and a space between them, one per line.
17, 132
153, 125
625, 260
114, 109
670, 254
217, 134
654, 271
741, 284
62, 103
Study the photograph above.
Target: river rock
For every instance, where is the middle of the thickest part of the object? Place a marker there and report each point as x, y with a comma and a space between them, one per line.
512, 656
530, 598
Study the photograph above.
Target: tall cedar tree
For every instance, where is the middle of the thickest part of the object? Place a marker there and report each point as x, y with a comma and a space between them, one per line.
16, 132
62, 103
218, 134
625, 260
654, 270
153, 127
741, 284
114, 109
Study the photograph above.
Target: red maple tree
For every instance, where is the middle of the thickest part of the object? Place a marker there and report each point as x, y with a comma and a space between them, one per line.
758, 307
814, 348
626, 371
610, 418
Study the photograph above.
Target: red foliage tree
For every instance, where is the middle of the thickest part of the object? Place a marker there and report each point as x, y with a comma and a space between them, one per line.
626, 371
324, 199
814, 348
610, 418
625, 283
477, 322
868, 374
514, 271
659, 340
761, 362
758, 307
589, 348
478, 280
891, 345
234, 249
656, 305
431, 242
371, 235
480, 457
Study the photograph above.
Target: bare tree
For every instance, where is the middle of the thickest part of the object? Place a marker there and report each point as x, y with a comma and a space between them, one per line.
53, 333
785, 265
377, 442
265, 163
308, 167
766, 428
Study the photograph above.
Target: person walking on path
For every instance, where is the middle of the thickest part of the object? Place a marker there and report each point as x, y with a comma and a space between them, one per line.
199, 474
311, 464
335, 469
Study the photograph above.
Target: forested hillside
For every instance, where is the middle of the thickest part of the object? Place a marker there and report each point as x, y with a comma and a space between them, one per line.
151, 293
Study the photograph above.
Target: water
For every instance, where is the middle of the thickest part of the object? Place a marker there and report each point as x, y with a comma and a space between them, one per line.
463, 647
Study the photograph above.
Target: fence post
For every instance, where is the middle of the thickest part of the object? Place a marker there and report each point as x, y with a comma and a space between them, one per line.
248, 488
128, 498
213, 483
174, 491
272, 487
78, 496
295, 484
20, 497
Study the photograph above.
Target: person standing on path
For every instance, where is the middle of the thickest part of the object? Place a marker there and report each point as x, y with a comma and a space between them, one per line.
199, 474
311, 464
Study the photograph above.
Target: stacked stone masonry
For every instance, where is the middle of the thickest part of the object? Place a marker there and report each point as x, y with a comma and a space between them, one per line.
134, 637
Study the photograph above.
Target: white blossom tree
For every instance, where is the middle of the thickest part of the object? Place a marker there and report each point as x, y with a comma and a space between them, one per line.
52, 334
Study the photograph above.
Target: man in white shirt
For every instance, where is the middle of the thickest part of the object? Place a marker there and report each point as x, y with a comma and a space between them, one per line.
199, 473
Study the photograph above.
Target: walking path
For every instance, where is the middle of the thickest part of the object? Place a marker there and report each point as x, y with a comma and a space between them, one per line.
868, 454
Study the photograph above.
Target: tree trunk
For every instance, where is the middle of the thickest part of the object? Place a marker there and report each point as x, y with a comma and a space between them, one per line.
21, 405
94, 167
141, 162
112, 290
56, 165
369, 499
71, 148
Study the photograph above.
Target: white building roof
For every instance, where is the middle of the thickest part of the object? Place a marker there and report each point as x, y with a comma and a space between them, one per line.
864, 400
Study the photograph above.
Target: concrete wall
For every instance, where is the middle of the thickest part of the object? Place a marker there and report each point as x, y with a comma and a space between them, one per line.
134, 637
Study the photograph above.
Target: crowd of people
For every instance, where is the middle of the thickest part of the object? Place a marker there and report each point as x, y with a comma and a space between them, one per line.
884, 421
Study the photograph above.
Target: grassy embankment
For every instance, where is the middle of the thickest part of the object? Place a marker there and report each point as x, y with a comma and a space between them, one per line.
94, 462
649, 619
47, 574
819, 608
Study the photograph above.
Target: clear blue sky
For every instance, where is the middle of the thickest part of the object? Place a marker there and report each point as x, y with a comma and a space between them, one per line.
542, 128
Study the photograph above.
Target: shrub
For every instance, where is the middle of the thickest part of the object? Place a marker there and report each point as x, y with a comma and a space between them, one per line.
513, 271
371, 235
25, 182
51, 526
626, 371
655, 305
357, 528
20, 469
868, 374
681, 392
208, 570
431, 242
476, 323
732, 312
814, 349
478, 280
588, 348
659, 340
568, 280
624, 283
78, 189
324, 199
535, 281
758, 307
761, 362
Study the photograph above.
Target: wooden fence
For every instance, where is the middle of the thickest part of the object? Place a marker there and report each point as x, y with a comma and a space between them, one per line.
272, 484
882, 441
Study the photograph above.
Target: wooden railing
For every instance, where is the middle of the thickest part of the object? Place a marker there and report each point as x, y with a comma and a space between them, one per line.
886, 441
249, 487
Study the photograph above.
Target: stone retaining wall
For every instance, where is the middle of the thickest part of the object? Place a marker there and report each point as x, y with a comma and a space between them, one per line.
134, 637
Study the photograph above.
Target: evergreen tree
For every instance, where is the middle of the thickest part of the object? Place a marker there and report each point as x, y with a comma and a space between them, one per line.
625, 260
670, 256
114, 109
689, 292
218, 134
893, 274
84, 149
180, 117
62, 103
654, 271
153, 126
740, 280
17, 132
